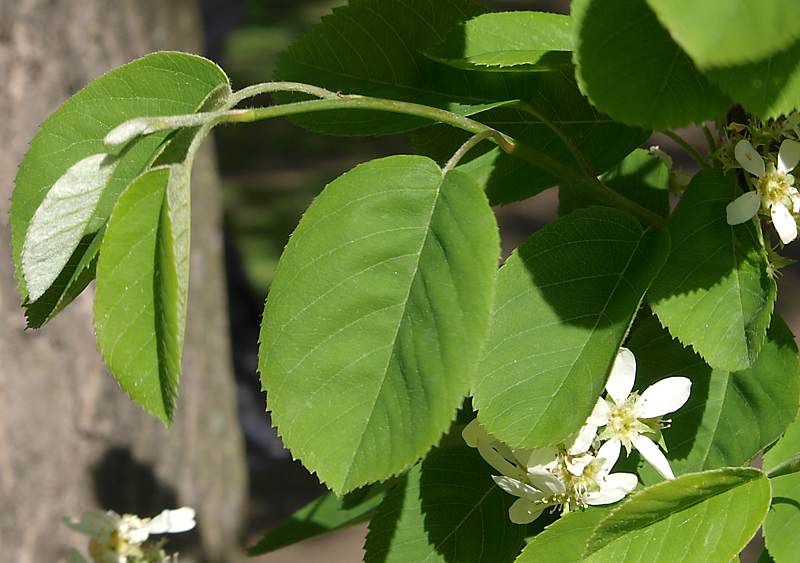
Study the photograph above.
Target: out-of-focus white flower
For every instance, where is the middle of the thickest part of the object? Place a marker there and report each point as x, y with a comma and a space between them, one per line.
775, 189
121, 538
629, 417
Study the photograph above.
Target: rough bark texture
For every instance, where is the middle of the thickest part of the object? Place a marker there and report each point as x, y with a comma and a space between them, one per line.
70, 439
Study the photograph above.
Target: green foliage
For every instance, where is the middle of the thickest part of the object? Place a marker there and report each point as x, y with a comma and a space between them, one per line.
322, 515
693, 514
730, 417
780, 527
640, 177
376, 318
744, 32
565, 300
520, 41
140, 307
637, 73
157, 84
715, 292
446, 509
564, 541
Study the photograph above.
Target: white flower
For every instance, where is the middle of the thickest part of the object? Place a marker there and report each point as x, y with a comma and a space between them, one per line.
628, 417
119, 539
774, 188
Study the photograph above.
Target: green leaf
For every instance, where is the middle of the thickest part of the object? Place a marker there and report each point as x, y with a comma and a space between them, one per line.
322, 515
729, 32
631, 68
157, 84
640, 177
767, 88
552, 101
446, 509
715, 293
729, 417
376, 317
708, 517
518, 41
565, 300
371, 47
142, 286
564, 541
780, 527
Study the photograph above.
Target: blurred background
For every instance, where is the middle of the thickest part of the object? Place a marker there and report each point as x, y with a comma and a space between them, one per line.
69, 439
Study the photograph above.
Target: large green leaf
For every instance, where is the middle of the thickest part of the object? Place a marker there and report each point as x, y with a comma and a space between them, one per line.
376, 318
715, 292
768, 87
729, 417
564, 541
157, 84
142, 277
371, 47
632, 69
565, 300
704, 517
729, 32
519, 41
781, 525
446, 509
321, 516
641, 177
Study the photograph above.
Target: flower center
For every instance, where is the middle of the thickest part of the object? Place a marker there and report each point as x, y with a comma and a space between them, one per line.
775, 187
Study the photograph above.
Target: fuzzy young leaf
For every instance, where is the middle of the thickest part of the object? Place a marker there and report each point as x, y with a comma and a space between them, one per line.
730, 32
565, 301
321, 516
142, 276
708, 516
634, 71
715, 292
157, 84
729, 417
563, 541
376, 318
445, 509
508, 41
780, 527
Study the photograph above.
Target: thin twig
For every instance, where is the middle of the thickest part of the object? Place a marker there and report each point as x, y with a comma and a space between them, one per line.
687, 147
464, 149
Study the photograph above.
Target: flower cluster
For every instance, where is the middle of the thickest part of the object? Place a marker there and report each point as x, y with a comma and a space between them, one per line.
123, 539
577, 473
774, 191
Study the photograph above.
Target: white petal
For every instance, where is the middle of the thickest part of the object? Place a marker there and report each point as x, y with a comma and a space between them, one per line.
662, 397
748, 158
473, 432
623, 373
784, 222
600, 413
615, 488
172, 521
517, 488
542, 458
743, 208
524, 512
577, 464
788, 155
583, 439
497, 455
548, 483
609, 452
653, 455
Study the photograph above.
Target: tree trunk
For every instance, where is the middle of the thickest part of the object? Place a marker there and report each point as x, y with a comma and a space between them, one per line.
70, 439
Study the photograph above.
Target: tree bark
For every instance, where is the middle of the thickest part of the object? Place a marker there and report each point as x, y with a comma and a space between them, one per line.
70, 439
